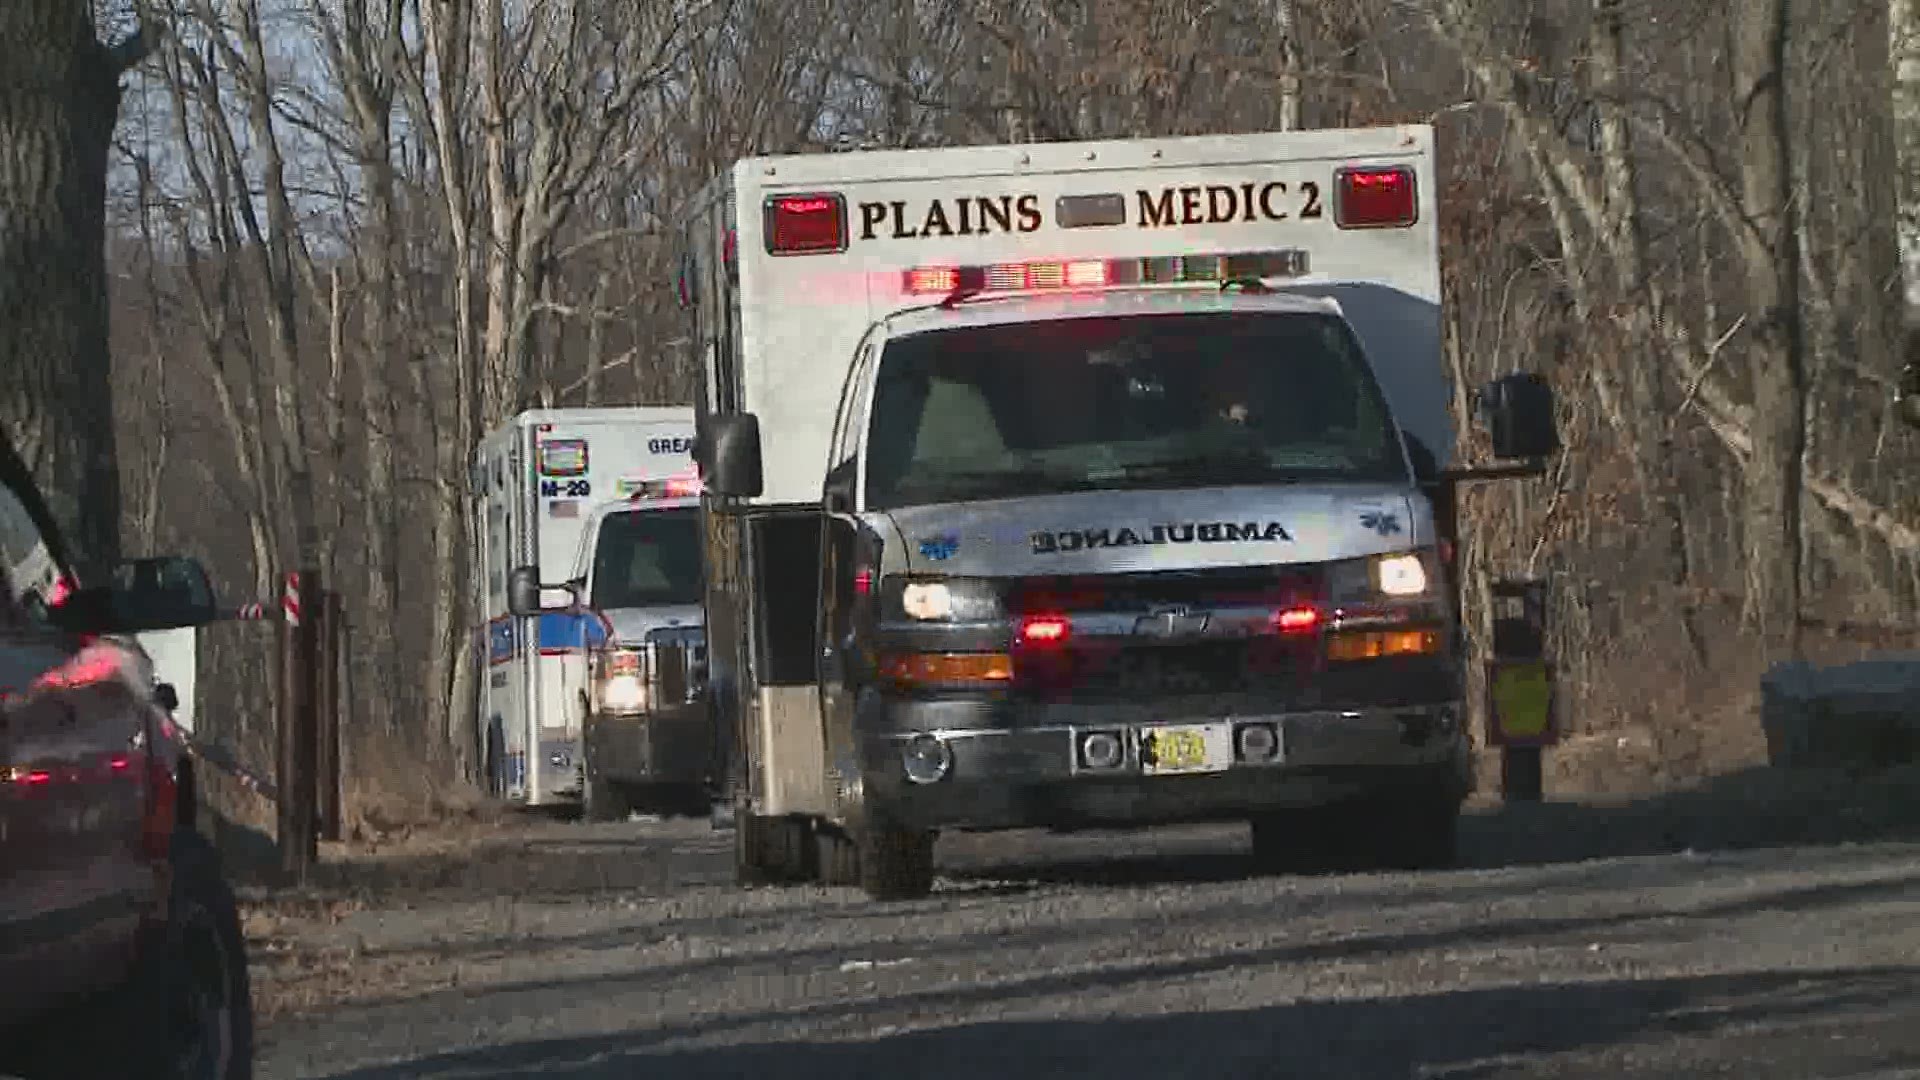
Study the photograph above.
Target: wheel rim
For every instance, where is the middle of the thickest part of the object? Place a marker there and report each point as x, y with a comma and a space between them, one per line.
204, 1007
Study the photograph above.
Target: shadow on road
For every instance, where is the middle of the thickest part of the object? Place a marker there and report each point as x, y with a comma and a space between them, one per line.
1755, 809
1754, 1024
1120, 974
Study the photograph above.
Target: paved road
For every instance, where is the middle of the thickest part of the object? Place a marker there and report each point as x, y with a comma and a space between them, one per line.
1102, 956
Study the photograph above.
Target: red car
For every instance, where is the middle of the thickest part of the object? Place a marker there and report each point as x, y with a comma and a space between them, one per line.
120, 947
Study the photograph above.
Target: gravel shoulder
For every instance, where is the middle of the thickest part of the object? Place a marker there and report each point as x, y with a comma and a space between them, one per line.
1580, 941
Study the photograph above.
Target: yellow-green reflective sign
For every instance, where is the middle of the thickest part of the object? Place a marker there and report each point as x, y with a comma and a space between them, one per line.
1522, 693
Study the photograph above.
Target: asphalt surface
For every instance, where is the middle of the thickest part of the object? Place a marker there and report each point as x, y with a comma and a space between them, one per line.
1107, 955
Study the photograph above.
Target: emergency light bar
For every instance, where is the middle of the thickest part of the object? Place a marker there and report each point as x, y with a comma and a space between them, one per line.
678, 487
1099, 273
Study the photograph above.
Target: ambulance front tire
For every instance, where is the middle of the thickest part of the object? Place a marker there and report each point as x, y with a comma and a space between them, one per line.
495, 759
773, 850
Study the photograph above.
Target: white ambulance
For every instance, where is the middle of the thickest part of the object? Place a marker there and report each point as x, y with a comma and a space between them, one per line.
600, 505
1085, 485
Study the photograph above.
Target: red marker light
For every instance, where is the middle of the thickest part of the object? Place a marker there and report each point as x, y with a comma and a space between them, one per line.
862, 581
1375, 197
806, 224
1297, 620
1045, 629
119, 763
39, 777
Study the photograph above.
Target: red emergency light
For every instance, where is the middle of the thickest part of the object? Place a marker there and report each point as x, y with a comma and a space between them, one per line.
806, 224
1375, 197
1053, 274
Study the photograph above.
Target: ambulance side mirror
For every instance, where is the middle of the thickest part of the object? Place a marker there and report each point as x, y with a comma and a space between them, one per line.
1518, 412
729, 448
526, 596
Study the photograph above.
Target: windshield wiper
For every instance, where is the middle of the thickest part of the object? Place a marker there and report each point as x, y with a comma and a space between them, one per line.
1203, 467
1025, 479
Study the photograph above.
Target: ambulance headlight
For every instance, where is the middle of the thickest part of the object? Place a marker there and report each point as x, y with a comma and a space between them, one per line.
1403, 575
956, 600
623, 694
620, 685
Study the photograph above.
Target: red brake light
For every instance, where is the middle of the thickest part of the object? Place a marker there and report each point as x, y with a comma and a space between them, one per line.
60, 593
1374, 197
806, 224
1044, 629
1297, 620
863, 581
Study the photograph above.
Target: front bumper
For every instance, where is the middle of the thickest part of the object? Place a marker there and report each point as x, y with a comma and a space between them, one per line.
1007, 777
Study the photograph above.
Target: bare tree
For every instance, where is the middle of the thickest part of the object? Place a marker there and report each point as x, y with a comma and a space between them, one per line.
59, 100
1771, 244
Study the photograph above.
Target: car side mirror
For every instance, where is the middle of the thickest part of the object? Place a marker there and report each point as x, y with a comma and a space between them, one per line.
526, 596
1518, 413
159, 593
729, 448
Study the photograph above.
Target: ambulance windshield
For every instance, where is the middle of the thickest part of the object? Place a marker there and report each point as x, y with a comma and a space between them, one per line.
1138, 401
647, 558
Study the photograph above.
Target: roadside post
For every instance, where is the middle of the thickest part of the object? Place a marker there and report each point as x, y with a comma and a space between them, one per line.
1522, 713
301, 612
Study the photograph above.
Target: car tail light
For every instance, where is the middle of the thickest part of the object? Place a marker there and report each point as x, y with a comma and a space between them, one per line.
1297, 620
806, 224
1375, 197
1044, 629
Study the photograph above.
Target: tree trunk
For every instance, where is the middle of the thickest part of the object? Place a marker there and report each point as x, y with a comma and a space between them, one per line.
1287, 36
1771, 250
59, 99
1649, 405
1903, 39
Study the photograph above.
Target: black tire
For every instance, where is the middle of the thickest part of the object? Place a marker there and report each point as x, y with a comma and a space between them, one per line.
773, 850
750, 863
187, 1012
602, 799
894, 863
839, 857
496, 762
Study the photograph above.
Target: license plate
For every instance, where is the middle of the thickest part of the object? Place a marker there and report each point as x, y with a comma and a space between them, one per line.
1187, 748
